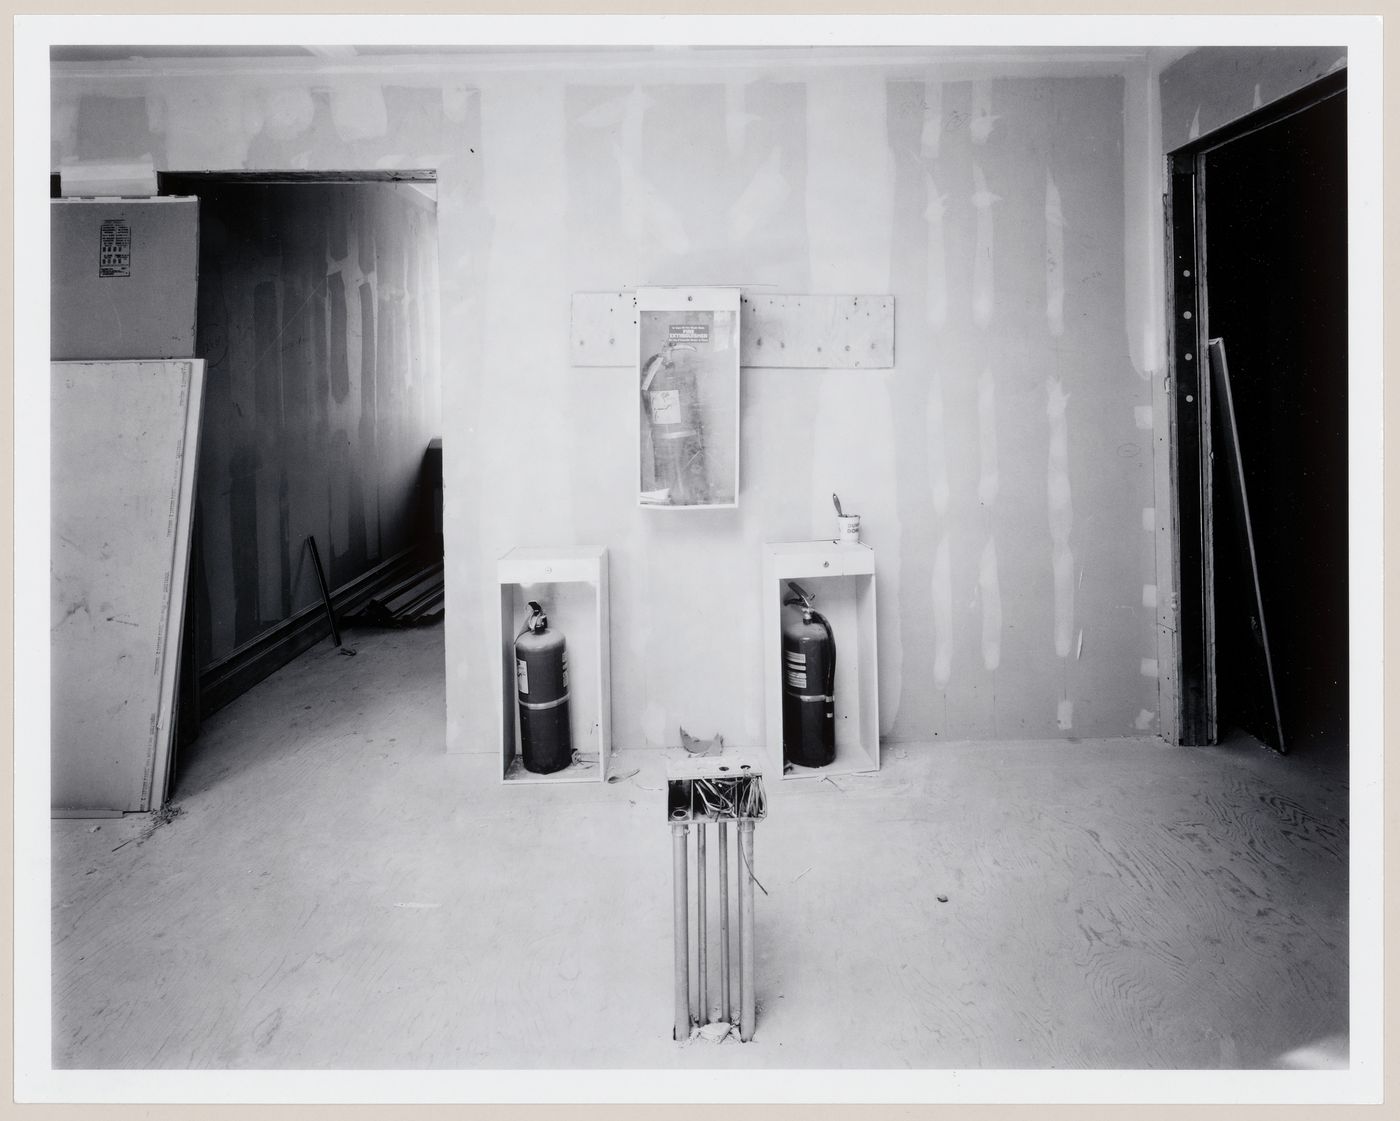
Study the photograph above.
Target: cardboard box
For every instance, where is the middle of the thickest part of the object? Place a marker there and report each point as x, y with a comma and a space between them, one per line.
124, 278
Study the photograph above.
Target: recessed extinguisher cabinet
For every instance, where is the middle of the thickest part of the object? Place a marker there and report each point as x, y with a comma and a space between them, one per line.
688, 406
552, 665
837, 582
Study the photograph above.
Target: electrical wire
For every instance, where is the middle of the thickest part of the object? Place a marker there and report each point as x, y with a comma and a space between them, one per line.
749, 868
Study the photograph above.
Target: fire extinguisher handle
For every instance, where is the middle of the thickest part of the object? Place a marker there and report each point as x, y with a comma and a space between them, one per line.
801, 596
650, 371
536, 613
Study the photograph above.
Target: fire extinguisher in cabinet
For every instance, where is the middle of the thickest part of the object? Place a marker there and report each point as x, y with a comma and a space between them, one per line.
809, 682
673, 415
542, 684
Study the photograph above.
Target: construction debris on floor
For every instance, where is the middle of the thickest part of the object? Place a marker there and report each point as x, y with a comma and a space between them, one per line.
415, 601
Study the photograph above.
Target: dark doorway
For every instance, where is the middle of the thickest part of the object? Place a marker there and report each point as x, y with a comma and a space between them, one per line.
318, 323
1270, 246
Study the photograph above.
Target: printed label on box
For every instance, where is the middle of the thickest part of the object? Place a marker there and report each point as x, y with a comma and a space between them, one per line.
522, 676
114, 248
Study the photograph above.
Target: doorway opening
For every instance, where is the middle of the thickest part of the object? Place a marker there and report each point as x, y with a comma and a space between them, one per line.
318, 320
1258, 249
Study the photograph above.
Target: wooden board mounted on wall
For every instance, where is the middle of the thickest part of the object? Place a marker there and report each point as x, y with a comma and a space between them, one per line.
776, 331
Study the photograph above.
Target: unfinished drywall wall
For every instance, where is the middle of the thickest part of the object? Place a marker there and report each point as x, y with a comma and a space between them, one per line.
1213, 86
318, 320
1002, 467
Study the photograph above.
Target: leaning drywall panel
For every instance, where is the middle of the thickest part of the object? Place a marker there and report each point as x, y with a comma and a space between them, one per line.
163, 768
124, 274
121, 489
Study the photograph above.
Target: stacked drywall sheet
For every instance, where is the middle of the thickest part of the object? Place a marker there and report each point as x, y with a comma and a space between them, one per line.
124, 444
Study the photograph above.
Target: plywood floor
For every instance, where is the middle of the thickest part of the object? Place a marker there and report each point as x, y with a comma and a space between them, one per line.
338, 892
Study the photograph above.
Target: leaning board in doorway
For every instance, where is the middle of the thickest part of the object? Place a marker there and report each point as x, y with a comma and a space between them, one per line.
123, 446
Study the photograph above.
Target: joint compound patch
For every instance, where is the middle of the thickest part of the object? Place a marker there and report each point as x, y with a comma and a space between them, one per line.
935, 206
1054, 257
983, 276
1149, 519
1142, 416
1149, 667
114, 248
990, 587
1144, 720
1064, 716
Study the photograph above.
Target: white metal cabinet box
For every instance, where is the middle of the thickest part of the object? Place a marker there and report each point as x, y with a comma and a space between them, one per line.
842, 578
571, 584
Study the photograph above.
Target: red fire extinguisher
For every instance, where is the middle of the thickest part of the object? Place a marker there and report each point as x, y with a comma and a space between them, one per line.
673, 413
809, 682
542, 684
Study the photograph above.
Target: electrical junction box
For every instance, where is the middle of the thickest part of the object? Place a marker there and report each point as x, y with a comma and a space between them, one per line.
715, 788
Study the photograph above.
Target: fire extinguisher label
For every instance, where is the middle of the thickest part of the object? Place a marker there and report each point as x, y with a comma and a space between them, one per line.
665, 406
522, 676
796, 669
688, 333
566, 673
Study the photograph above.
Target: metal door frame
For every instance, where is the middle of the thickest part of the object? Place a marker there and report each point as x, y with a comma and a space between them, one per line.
1188, 333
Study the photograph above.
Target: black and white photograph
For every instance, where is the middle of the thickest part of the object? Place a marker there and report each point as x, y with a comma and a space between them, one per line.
698, 559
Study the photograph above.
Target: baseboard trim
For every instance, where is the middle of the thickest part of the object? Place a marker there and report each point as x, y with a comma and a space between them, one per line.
236, 673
